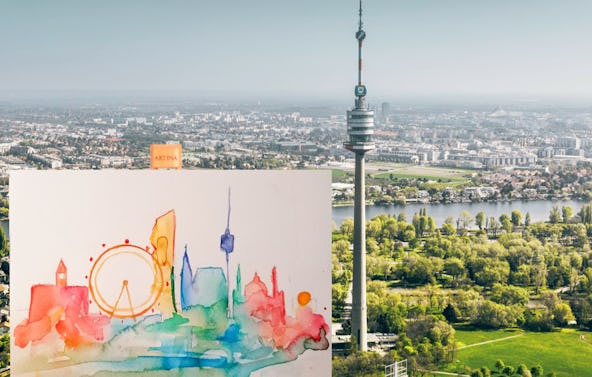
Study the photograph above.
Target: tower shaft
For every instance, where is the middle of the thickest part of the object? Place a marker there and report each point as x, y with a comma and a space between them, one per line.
359, 311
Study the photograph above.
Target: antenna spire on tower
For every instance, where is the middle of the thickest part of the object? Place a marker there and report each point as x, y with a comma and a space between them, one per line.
360, 90
360, 24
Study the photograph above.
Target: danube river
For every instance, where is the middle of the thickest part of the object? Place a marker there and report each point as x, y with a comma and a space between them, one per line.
538, 209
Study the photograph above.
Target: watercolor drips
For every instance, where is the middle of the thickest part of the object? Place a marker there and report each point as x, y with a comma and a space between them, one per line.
141, 329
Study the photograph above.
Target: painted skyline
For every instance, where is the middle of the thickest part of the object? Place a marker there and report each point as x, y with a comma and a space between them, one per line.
61, 336
417, 48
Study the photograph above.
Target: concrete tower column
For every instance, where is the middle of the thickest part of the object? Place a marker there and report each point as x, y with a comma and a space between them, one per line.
359, 310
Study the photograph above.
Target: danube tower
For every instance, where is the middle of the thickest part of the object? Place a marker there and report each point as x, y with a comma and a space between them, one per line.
360, 128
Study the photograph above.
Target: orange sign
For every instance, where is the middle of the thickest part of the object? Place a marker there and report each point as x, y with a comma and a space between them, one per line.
163, 156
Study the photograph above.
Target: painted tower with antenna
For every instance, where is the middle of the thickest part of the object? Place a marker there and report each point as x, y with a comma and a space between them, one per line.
227, 246
360, 128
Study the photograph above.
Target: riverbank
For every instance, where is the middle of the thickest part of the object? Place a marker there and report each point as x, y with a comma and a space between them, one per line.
538, 209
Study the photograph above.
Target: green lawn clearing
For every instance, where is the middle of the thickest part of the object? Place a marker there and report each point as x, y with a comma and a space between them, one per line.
430, 173
567, 352
338, 174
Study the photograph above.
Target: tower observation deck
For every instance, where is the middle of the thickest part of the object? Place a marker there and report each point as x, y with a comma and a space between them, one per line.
360, 128
360, 120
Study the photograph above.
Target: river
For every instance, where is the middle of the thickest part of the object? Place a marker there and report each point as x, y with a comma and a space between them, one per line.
538, 209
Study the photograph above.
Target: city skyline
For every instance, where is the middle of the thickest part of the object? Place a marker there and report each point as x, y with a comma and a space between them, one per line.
427, 48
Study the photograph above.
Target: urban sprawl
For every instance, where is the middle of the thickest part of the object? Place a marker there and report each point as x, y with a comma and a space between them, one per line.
507, 153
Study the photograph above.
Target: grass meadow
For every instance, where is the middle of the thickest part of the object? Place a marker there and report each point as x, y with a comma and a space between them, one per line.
568, 353
437, 177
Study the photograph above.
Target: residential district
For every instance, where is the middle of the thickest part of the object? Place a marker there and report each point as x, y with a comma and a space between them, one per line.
514, 152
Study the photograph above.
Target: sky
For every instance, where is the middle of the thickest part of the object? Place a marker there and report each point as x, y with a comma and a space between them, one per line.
299, 48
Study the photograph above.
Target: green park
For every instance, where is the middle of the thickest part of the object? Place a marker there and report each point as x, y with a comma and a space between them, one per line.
478, 296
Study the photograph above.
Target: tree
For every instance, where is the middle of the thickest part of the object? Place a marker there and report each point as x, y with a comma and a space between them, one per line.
494, 316
521, 277
555, 215
358, 364
538, 272
467, 303
386, 312
431, 225
4, 350
340, 248
454, 267
550, 299
567, 213
586, 214
451, 313
516, 217
347, 226
372, 245
536, 371
431, 328
408, 233
465, 219
494, 225
448, 227
416, 269
521, 368
499, 365
423, 224
480, 219
508, 370
374, 228
507, 225
527, 219
3, 243
415, 222
390, 229
562, 314
338, 297
509, 295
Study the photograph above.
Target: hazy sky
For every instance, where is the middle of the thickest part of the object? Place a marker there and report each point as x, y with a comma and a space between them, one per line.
295, 47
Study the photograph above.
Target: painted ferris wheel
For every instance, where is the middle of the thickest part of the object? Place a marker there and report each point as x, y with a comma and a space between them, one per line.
127, 281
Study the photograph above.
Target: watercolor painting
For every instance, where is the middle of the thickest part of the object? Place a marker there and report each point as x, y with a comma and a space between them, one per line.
163, 273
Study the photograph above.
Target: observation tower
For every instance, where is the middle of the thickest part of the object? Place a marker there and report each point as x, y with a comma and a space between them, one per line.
360, 128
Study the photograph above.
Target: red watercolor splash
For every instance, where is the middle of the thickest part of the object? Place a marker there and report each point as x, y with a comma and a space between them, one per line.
274, 325
63, 308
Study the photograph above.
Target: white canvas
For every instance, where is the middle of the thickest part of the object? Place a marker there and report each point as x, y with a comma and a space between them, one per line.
279, 219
